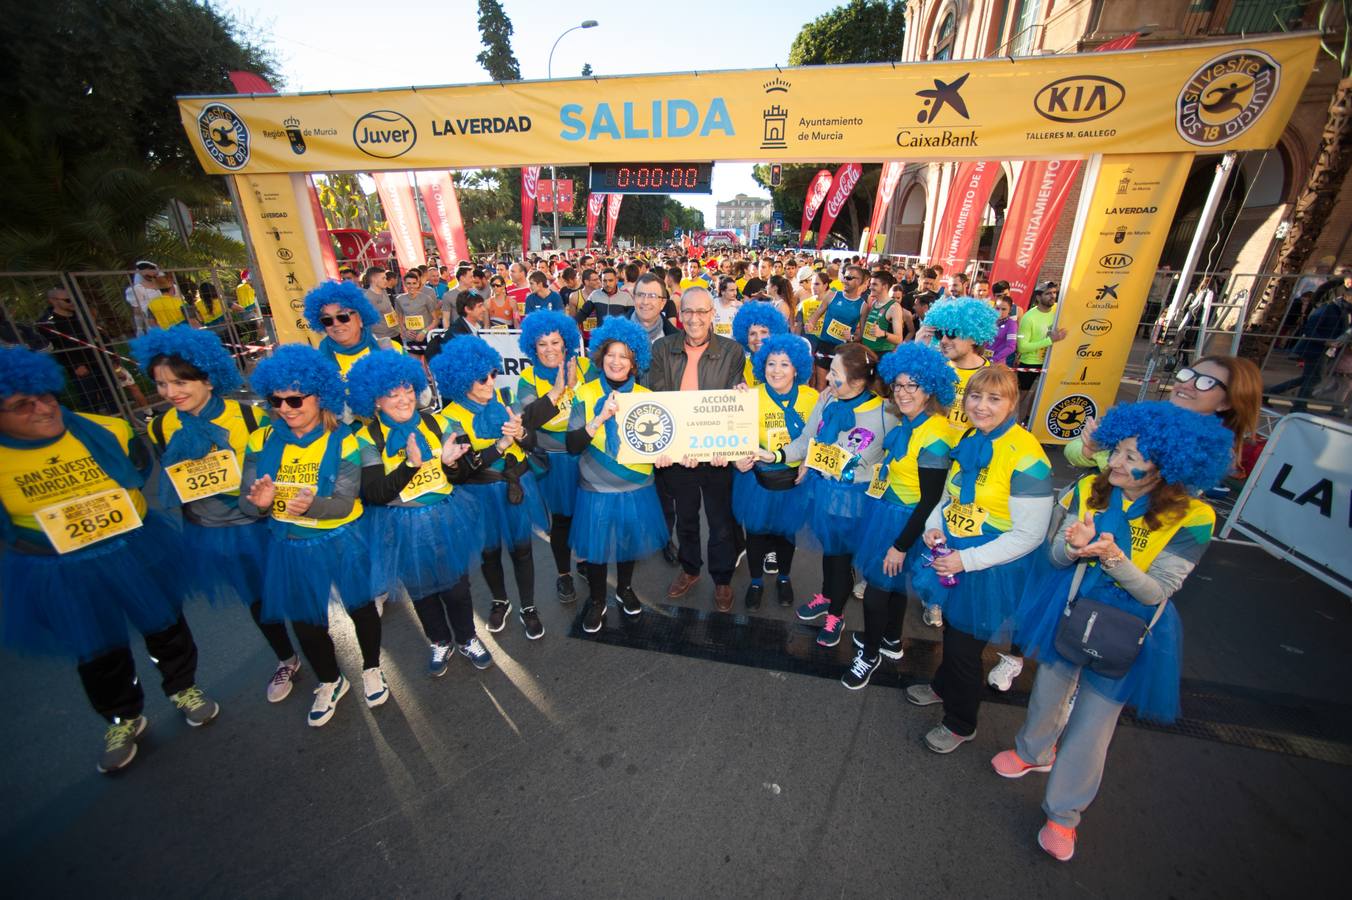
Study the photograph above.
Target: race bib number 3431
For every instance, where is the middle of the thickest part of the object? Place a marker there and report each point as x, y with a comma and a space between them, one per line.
828, 459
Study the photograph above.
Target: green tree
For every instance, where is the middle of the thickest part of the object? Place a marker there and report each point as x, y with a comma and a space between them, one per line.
862, 31
586, 70
789, 197
496, 30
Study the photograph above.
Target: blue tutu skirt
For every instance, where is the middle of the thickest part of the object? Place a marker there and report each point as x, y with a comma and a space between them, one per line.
836, 509
618, 527
981, 603
227, 562
509, 524
303, 573
77, 605
558, 484
768, 512
1150, 686
883, 521
426, 549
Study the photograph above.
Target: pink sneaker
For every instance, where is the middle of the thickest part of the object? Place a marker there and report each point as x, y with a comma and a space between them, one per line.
829, 636
1057, 840
814, 609
1008, 764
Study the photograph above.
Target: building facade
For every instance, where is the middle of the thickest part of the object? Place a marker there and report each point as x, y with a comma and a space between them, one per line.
742, 212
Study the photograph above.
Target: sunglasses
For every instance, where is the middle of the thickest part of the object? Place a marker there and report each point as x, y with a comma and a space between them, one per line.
951, 335
342, 317
1202, 383
849, 278
294, 402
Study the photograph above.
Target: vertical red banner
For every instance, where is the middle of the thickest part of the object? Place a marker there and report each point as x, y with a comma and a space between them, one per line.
966, 206
443, 209
401, 211
612, 216
326, 253
887, 186
530, 189
1030, 221
847, 176
816, 196
594, 204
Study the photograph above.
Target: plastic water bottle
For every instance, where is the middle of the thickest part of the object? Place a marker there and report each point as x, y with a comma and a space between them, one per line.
938, 551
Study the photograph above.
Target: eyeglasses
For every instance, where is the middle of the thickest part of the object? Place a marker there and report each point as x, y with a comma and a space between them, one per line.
26, 406
294, 402
907, 388
342, 317
1203, 383
708, 311
648, 295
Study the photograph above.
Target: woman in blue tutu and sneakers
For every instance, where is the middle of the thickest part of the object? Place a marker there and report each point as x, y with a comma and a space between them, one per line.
618, 518
303, 472
422, 531
499, 476
1125, 539
202, 440
83, 555
768, 499
917, 455
982, 538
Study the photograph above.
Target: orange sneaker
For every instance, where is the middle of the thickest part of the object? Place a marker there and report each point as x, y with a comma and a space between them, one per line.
1008, 764
1057, 840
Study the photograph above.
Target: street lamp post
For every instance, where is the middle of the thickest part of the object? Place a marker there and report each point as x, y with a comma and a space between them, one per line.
553, 174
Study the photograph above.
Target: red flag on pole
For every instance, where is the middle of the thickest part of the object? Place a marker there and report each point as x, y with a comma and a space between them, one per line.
530, 181
401, 210
817, 190
443, 209
594, 204
326, 253
612, 216
847, 176
250, 83
887, 186
961, 223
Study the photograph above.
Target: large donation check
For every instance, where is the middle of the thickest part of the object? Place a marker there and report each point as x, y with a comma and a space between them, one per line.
703, 425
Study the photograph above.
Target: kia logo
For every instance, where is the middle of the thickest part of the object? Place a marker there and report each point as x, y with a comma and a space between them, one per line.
1079, 98
384, 134
1115, 261
1096, 327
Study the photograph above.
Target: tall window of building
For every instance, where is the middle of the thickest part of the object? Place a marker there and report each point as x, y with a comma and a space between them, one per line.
1023, 28
943, 38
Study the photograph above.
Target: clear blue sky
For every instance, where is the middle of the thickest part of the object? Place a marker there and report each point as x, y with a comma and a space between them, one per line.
343, 44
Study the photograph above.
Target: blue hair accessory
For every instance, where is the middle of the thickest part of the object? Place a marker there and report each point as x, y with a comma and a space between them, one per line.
791, 345
757, 312
195, 346
300, 367
344, 293
543, 322
1189, 449
462, 362
927, 368
376, 374
632, 335
967, 318
24, 371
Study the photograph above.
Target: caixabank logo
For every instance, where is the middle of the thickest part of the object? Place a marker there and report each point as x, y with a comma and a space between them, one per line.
1226, 96
224, 135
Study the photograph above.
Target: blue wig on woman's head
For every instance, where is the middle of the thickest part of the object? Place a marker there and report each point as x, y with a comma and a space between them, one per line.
196, 346
926, 367
631, 334
379, 372
300, 367
1190, 449
967, 318
24, 371
462, 362
547, 321
792, 346
757, 312
344, 293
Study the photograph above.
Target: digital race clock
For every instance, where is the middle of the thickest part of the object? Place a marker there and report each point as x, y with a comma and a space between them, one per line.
652, 178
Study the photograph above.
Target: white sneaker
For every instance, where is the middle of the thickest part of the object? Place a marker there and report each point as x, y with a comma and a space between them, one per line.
1004, 672
859, 589
374, 687
770, 565
934, 616
279, 688
327, 696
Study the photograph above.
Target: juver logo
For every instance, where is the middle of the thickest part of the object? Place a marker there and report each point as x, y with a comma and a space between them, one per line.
384, 134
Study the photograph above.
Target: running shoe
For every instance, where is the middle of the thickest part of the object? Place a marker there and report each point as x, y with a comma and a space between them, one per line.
197, 708
535, 629
754, 593
279, 687
439, 660
1004, 672
829, 636
941, 740
327, 696
934, 616
119, 744
629, 602
1057, 840
889, 648
374, 687
922, 695
1008, 764
497, 615
564, 588
594, 618
860, 671
770, 565
475, 651
815, 608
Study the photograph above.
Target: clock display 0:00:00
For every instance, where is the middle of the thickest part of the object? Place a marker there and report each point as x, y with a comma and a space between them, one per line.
652, 177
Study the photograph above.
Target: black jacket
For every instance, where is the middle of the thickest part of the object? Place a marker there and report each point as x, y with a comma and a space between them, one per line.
720, 367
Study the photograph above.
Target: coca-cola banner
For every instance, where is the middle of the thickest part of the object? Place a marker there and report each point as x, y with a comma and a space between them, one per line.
1039, 197
612, 216
594, 204
545, 201
530, 180
443, 209
847, 176
966, 206
816, 196
887, 186
401, 211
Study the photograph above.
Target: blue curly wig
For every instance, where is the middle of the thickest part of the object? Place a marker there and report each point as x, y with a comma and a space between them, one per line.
631, 334
792, 346
379, 372
547, 321
345, 294
756, 312
196, 346
465, 360
300, 367
968, 318
24, 371
927, 368
1190, 449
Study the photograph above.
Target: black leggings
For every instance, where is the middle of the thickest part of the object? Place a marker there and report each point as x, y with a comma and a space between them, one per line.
559, 526
596, 578
757, 545
274, 632
110, 680
317, 646
883, 613
447, 616
837, 581
958, 680
523, 567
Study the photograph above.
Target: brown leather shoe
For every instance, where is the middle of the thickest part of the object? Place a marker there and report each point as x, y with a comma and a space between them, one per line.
682, 584
723, 597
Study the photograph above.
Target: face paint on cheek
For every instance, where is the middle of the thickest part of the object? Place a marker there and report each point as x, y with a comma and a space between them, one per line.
1138, 474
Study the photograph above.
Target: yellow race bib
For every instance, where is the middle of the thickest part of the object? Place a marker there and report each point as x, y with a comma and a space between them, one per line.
828, 459
964, 519
429, 477
776, 439
723, 328
286, 490
391, 320
589, 324
215, 473
872, 331
877, 485
414, 323
76, 524
838, 330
